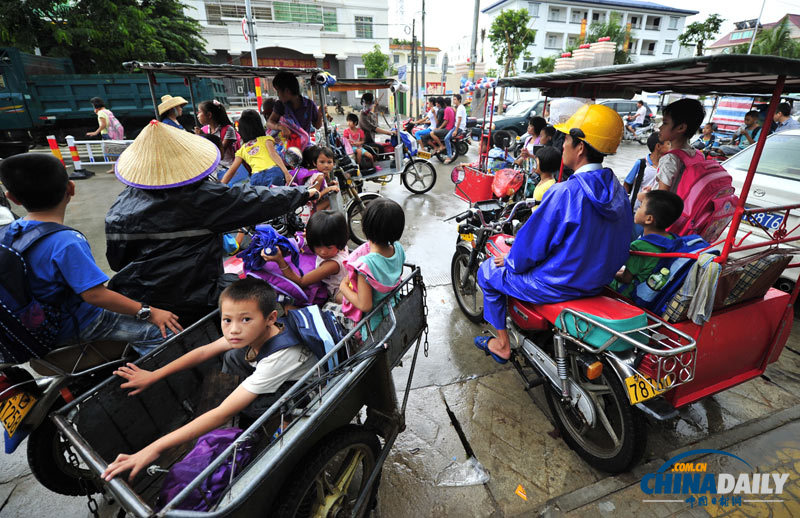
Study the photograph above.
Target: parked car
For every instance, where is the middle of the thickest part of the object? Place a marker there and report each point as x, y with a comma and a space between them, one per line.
625, 107
515, 120
777, 182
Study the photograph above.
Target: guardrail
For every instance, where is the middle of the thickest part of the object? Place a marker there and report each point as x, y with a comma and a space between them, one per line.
96, 152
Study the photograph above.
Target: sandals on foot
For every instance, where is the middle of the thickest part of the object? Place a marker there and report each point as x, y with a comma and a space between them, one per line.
482, 343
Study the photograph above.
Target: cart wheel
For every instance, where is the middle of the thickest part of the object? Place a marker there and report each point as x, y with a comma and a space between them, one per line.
419, 176
617, 440
462, 147
47, 458
355, 213
469, 298
329, 479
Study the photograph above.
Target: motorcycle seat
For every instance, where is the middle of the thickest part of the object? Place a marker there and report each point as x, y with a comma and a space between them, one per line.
612, 313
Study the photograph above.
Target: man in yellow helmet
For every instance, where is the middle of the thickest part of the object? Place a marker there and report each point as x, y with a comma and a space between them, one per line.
576, 239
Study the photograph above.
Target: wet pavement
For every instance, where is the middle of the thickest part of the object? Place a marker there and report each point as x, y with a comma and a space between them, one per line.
468, 416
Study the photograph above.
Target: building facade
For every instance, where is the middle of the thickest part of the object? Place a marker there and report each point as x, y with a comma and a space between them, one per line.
654, 27
745, 31
330, 34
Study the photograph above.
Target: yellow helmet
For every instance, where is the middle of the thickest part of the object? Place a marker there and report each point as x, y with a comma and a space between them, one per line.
601, 126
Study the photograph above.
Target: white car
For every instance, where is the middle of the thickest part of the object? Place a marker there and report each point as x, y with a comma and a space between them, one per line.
776, 183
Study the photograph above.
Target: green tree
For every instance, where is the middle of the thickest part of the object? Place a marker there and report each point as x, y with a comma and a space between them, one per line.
510, 37
376, 62
776, 41
613, 29
101, 34
698, 33
545, 65
492, 72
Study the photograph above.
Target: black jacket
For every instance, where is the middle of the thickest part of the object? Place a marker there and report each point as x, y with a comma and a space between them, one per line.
166, 244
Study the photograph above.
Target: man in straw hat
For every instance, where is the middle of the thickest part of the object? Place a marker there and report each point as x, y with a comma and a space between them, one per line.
170, 109
575, 241
164, 230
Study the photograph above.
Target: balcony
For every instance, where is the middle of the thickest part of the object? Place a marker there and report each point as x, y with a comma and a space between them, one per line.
652, 27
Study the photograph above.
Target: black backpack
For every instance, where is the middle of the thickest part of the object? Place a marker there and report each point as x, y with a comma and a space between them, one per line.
28, 327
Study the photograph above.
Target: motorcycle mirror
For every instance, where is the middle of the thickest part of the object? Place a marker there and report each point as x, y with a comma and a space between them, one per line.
457, 176
293, 157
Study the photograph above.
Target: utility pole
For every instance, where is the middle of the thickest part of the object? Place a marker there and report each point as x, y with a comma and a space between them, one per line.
424, 78
473, 53
755, 29
413, 64
251, 35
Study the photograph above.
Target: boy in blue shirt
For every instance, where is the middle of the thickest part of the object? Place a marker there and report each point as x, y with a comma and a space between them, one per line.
62, 270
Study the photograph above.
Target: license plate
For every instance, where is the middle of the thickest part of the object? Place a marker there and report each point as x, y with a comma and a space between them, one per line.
640, 390
423, 154
14, 411
767, 220
468, 237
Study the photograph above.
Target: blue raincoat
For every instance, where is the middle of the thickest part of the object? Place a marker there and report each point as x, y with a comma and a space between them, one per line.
570, 247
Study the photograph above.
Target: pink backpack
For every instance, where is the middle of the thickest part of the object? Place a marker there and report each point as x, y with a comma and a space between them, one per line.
708, 197
115, 129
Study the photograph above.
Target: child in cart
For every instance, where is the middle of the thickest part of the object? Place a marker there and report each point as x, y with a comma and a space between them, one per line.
258, 154
322, 159
355, 136
326, 236
251, 328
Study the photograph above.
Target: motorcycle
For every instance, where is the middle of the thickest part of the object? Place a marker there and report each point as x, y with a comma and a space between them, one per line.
26, 403
640, 134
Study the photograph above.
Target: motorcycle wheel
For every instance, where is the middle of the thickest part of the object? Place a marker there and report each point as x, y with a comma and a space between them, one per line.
611, 451
328, 481
47, 458
462, 147
441, 156
470, 298
418, 176
354, 215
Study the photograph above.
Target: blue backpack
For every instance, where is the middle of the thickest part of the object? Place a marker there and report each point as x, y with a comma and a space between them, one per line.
28, 327
316, 329
656, 300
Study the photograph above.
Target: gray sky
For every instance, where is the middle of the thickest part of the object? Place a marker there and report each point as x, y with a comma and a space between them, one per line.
448, 21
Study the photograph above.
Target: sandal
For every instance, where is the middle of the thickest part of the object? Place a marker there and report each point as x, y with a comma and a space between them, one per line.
482, 343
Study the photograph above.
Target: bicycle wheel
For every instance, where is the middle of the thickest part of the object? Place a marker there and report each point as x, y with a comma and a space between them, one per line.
354, 214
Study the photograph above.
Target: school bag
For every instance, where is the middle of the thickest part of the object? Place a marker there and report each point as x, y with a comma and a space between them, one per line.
115, 129
28, 327
207, 448
706, 189
656, 301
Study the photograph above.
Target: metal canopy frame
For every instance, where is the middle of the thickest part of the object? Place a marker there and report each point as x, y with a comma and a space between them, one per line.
349, 85
744, 74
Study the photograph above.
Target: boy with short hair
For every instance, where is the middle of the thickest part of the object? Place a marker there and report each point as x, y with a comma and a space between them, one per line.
681, 120
251, 333
355, 136
62, 270
657, 148
659, 210
746, 135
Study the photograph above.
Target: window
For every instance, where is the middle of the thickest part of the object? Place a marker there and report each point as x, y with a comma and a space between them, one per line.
364, 27
740, 35
432, 61
668, 46
527, 64
577, 16
396, 58
673, 22
360, 73
648, 48
599, 17
572, 40
304, 13
653, 23
553, 41
635, 21
215, 12
557, 14
632, 47
533, 9
213, 15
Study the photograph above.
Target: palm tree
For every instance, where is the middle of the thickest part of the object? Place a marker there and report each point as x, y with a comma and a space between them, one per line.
776, 41
614, 30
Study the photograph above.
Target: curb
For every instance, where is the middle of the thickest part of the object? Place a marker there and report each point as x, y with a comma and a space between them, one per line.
591, 493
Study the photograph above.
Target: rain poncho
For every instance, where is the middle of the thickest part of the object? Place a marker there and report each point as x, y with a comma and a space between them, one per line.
570, 247
166, 244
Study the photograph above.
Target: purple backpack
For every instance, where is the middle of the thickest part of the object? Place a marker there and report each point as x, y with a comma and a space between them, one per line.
207, 448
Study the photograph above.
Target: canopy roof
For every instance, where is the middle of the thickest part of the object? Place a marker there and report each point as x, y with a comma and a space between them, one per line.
696, 75
346, 85
201, 70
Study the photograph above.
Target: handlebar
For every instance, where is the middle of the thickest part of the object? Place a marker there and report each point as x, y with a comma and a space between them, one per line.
462, 217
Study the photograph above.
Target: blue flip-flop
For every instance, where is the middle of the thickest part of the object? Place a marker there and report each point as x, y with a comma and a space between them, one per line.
482, 343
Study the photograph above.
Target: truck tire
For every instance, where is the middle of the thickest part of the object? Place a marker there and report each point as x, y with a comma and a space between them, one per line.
323, 467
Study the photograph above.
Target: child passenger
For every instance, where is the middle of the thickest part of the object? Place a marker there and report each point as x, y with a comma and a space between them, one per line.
355, 136
250, 322
659, 210
326, 235
63, 272
381, 257
258, 154
548, 162
682, 119
324, 162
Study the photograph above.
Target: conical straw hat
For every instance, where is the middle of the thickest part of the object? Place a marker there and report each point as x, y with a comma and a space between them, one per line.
162, 157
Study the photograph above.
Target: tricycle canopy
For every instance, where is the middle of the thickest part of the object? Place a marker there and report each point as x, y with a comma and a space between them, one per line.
701, 75
202, 70
349, 85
